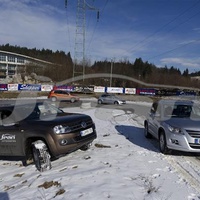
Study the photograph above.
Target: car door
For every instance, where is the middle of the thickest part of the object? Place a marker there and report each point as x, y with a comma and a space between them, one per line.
111, 99
153, 119
65, 95
107, 99
11, 137
58, 94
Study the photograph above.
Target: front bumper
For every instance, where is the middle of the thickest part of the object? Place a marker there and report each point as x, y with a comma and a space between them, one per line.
183, 142
66, 143
122, 102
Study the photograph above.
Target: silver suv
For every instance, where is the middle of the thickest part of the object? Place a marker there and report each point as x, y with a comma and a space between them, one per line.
176, 124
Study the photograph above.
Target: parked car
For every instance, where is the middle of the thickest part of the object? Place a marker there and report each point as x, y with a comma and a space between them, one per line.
176, 124
42, 132
60, 95
110, 99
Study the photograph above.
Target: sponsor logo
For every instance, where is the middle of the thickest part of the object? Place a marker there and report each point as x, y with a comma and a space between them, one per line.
83, 124
7, 138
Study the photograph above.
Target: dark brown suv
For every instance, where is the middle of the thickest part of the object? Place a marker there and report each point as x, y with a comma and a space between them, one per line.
43, 132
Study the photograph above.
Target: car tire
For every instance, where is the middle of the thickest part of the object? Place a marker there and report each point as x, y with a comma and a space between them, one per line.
72, 100
146, 131
116, 102
99, 102
53, 99
41, 156
85, 147
163, 143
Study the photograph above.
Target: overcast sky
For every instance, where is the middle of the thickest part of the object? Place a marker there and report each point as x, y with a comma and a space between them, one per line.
162, 32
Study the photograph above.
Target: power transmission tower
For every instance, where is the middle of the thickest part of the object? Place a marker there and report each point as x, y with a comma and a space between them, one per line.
79, 48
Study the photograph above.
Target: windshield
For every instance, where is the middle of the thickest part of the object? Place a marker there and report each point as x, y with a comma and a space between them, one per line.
48, 109
10, 116
182, 110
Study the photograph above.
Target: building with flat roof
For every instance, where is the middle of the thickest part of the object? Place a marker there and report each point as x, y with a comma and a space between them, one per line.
13, 63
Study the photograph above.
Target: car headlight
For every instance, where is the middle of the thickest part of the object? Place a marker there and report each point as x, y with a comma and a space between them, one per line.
59, 129
174, 129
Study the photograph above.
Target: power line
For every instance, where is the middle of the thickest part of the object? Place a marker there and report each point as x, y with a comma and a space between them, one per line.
131, 49
169, 51
96, 24
153, 40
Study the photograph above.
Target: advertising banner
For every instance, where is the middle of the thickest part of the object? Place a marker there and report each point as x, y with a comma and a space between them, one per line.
3, 87
84, 89
64, 87
46, 88
12, 87
99, 89
145, 91
114, 90
29, 87
130, 90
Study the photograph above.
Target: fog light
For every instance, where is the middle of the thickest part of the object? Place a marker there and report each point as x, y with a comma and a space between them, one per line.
63, 142
174, 141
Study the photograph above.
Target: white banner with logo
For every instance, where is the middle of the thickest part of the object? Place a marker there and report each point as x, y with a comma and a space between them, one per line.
99, 89
12, 87
130, 90
114, 90
46, 88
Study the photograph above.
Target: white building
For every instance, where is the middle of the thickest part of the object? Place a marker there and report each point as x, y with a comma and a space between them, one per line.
11, 63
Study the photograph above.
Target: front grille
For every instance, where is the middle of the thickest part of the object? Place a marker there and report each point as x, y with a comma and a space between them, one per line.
194, 146
194, 134
75, 126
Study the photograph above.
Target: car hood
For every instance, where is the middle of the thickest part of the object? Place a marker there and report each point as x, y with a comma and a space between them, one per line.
186, 123
63, 118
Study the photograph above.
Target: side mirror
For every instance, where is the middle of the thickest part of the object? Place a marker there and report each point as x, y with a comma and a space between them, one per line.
157, 114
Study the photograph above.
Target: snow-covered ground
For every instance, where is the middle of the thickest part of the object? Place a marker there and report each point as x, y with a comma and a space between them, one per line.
120, 165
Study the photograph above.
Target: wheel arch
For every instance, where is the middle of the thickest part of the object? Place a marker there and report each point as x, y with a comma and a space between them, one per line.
28, 143
160, 130
54, 98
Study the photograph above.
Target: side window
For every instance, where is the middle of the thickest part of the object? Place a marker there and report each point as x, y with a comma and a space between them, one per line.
58, 92
154, 107
158, 110
5, 117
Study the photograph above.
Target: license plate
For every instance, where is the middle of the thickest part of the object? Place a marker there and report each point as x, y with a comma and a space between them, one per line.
86, 132
196, 141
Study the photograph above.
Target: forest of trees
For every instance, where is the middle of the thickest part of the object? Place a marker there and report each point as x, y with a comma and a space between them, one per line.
143, 71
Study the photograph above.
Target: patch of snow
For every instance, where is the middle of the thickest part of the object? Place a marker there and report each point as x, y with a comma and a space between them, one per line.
130, 168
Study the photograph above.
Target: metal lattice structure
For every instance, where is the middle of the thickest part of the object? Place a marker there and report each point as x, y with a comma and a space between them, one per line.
79, 49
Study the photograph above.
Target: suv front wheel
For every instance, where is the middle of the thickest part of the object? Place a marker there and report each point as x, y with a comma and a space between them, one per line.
41, 156
72, 100
146, 131
99, 101
163, 143
53, 99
